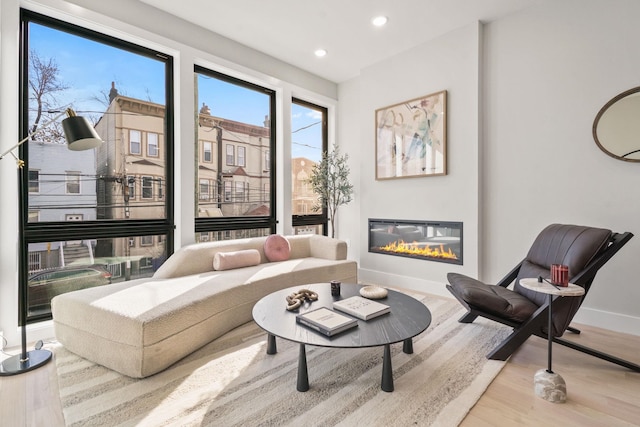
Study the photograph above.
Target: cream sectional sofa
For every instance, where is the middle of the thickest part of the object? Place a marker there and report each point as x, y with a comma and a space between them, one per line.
141, 327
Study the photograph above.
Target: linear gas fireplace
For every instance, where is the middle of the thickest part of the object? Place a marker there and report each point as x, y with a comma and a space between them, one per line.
428, 240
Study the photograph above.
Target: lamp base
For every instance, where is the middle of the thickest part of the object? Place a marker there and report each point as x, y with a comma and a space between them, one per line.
15, 365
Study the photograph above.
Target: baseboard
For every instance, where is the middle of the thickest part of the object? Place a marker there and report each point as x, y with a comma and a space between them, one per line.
602, 319
607, 320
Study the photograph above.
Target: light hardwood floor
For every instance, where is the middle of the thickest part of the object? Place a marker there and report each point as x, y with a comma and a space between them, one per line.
599, 393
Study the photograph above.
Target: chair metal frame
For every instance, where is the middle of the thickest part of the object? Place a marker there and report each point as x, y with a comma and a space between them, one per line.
535, 323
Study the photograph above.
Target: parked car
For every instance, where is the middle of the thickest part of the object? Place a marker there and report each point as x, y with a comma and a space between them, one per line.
44, 285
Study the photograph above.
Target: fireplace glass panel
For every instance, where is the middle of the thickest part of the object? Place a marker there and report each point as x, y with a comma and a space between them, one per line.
428, 240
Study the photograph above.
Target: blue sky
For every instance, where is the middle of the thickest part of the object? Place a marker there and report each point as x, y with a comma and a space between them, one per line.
87, 68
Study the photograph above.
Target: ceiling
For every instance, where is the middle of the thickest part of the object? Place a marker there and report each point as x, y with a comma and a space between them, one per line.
291, 30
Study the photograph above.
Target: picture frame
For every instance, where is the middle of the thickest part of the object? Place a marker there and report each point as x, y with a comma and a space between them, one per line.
411, 138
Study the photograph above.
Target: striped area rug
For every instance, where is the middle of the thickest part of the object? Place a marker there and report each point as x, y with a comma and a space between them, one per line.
233, 382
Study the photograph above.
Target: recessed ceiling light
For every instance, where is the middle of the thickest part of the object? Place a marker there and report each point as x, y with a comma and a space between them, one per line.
379, 21
320, 53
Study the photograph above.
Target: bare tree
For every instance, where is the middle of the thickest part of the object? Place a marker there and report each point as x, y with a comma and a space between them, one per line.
44, 84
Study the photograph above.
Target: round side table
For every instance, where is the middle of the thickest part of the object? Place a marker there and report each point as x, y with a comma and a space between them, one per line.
550, 385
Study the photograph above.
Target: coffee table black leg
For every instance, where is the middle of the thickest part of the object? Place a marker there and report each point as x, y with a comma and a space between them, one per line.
387, 370
407, 346
271, 344
303, 376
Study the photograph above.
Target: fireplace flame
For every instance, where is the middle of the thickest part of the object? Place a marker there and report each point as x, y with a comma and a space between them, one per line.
415, 248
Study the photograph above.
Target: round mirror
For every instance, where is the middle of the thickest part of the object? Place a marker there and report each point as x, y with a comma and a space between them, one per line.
616, 128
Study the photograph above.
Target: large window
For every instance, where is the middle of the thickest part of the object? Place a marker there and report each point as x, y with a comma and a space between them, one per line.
309, 142
236, 133
80, 211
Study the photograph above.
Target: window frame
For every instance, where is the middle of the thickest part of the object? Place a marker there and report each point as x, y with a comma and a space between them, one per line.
131, 184
72, 178
230, 158
241, 160
322, 218
148, 179
205, 151
42, 232
225, 225
156, 145
138, 141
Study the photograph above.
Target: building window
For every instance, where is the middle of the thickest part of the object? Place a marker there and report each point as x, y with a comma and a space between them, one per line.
231, 161
204, 189
267, 160
34, 181
72, 180
241, 156
227, 191
147, 187
152, 144
135, 142
131, 185
146, 240
240, 193
92, 189
207, 151
160, 190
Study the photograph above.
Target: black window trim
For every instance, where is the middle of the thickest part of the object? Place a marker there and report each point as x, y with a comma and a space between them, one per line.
60, 230
322, 218
206, 224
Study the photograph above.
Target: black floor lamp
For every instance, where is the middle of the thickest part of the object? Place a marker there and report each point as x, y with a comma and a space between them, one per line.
80, 135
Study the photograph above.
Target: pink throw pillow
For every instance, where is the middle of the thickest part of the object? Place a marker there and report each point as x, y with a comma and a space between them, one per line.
277, 248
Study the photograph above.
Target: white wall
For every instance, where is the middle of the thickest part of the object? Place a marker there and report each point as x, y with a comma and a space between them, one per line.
448, 63
545, 73
549, 70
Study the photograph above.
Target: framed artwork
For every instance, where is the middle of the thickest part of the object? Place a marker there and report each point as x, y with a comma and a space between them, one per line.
411, 138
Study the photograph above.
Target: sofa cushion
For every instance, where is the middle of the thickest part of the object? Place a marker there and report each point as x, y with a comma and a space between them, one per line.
236, 259
277, 248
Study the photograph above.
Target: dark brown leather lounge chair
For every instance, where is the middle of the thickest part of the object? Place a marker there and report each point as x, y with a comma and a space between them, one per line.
584, 249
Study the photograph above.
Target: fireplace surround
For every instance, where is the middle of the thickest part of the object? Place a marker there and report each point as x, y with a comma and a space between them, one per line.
439, 241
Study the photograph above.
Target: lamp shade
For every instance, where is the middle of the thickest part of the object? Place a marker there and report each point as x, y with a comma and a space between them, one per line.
79, 133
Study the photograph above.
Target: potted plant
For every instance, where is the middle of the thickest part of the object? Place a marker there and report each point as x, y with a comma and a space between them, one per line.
329, 179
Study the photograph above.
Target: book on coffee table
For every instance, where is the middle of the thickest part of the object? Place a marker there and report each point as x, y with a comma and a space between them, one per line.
362, 308
326, 321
